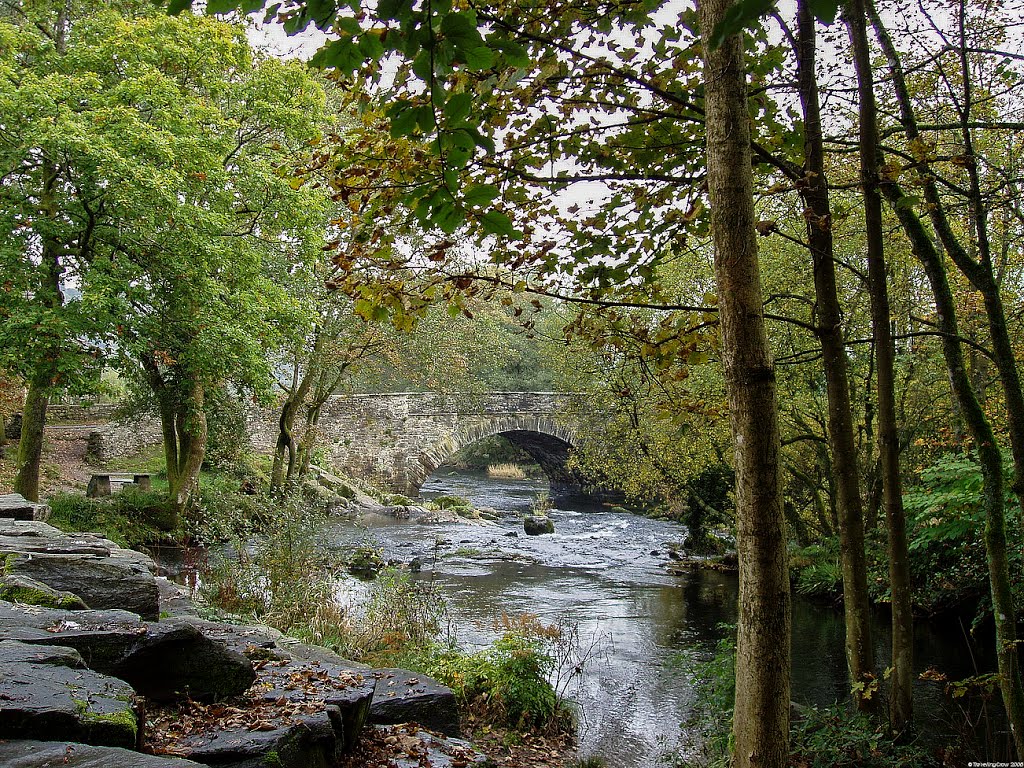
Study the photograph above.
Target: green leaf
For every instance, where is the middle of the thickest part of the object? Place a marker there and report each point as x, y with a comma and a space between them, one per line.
403, 123
825, 10
461, 29
175, 7
497, 223
514, 53
479, 58
399, 10
480, 195
458, 107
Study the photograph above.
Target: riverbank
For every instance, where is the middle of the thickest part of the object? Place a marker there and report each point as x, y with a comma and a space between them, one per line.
163, 680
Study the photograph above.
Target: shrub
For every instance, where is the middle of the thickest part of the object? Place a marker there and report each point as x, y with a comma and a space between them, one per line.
445, 502
129, 518
505, 683
285, 576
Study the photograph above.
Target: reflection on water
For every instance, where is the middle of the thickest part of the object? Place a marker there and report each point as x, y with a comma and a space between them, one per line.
605, 571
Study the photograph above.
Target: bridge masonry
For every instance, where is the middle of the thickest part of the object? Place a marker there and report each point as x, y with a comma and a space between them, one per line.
397, 440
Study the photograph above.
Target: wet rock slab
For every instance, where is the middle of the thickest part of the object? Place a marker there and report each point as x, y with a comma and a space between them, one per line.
102, 574
162, 660
45, 692
297, 715
405, 697
50, 754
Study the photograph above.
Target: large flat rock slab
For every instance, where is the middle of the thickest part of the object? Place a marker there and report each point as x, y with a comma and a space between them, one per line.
407, 697
17, 507
163, 661
102, 582
304, 714
16, 588
95, 569
249, 737
42, 698
54, 754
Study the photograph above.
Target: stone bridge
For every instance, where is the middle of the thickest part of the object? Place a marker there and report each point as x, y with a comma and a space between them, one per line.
397, 440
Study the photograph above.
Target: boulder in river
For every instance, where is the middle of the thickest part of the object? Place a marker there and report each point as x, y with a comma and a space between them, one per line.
536, 525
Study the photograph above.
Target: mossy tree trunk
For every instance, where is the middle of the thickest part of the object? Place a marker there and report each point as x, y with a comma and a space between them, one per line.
902, 678
761, 717
828, 328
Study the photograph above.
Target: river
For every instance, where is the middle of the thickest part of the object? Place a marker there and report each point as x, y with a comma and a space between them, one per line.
605, 572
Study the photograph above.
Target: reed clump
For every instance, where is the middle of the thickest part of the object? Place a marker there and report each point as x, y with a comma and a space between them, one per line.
506, 471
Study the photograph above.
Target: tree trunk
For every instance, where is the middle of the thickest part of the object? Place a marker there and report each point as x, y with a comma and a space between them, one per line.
981, 276
988, 456
285, 449
901, 681
191, 431
30, 447
761, 718
818, 215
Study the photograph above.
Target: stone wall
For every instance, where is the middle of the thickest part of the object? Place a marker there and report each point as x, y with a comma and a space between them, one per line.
84, 414
397, 440
124, 438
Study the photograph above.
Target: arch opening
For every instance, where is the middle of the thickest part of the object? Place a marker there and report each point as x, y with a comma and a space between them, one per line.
549, 451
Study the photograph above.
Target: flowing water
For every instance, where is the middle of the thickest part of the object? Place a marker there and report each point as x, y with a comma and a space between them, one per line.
605, 572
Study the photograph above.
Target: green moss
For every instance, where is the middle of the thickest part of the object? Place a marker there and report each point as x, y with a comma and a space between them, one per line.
30, 596
9, 562
123, 719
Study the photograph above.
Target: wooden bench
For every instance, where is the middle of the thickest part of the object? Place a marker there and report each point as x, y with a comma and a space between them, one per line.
104, 485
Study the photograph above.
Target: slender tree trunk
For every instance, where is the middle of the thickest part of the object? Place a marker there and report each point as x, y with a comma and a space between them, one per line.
285, 455
33, 424
818, 215
988, 456
981, 276
761, 718
30, 447
901, 681
191, 430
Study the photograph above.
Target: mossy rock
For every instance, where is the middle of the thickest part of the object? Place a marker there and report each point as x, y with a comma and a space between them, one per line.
449, 502
16, 588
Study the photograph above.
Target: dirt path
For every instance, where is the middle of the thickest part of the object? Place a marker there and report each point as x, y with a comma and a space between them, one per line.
63, 466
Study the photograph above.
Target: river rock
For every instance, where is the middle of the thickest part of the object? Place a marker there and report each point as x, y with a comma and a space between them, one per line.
405, 697
101, 573
44, 698
296, 741
408, 746
161, 660
16, 588
17, 507
50, 754
536, 525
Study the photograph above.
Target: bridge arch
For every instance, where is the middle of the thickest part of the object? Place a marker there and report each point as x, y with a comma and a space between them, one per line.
395, 440
548, 441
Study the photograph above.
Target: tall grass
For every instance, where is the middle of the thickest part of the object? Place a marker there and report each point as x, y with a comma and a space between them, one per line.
506, 472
